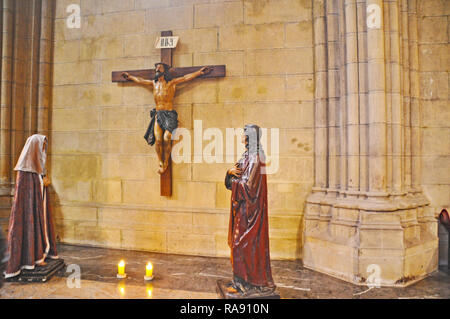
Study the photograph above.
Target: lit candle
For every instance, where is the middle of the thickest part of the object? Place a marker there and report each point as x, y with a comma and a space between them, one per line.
149, 271
121, 270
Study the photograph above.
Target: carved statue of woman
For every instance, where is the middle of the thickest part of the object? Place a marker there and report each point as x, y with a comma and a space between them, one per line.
31, 235
3, 257
445, 219
248, 235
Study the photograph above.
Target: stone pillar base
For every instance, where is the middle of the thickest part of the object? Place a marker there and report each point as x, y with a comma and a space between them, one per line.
367, 239
5, 208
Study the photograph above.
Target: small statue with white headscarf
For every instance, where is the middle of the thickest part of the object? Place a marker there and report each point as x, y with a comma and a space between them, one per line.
31, 234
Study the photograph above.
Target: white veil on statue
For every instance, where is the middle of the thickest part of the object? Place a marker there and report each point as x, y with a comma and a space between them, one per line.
33, 156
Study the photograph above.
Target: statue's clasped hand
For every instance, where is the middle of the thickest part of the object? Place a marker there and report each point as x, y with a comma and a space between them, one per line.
46, 181
235, 171
236, 204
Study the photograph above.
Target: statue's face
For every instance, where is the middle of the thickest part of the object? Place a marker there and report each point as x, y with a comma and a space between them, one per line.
250, 137
160, 68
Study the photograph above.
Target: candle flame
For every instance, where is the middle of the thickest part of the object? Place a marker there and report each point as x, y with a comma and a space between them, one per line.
122, 263
149, 266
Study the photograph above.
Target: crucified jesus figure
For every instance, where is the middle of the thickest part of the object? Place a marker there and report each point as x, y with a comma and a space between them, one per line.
164, 117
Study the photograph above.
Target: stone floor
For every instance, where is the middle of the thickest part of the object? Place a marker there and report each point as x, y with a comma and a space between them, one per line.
179, 276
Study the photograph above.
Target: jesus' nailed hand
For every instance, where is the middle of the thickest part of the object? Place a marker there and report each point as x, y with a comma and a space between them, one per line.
164, 88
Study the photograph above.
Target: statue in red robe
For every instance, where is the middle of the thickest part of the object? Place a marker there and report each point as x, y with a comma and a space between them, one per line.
31, 235
248, 235
3, 257
444, 218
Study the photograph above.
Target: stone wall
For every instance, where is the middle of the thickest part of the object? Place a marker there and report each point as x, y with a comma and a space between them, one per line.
434, 61
105, 186
106, 189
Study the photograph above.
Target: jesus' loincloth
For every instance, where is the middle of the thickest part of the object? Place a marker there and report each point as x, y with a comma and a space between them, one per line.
167, 120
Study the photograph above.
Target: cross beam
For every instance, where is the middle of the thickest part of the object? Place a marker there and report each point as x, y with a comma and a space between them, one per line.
217, 71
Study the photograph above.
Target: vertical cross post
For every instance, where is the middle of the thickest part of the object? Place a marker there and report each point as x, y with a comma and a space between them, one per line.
166, 177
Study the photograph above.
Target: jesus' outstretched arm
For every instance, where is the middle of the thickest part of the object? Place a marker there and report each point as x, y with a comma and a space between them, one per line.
191, 76
137, 79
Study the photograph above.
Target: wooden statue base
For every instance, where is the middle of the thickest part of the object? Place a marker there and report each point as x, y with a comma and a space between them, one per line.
222, 286
39, 273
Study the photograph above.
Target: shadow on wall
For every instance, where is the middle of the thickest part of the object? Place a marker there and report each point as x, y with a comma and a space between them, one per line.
75, 232
56, 214
300, 237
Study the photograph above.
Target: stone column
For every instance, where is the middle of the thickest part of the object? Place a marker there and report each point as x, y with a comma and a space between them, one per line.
416, 166
353, 97
321, 129
45, 66
406, 95
334, 84
367, 217
377, 104
27, 46
6, 92
363, 95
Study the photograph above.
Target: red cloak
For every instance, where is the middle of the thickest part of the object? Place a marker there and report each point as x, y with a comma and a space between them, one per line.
444, 218
31, 235
248, 235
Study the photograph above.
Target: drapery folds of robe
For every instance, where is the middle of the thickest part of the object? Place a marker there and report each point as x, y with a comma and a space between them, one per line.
248, 234
3, 257
444, 218
167, 120
31, 234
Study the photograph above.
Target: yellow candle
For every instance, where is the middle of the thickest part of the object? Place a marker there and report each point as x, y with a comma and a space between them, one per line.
121, 271
149, 270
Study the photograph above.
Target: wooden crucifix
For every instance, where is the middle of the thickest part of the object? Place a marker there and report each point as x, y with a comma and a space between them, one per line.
164, 120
